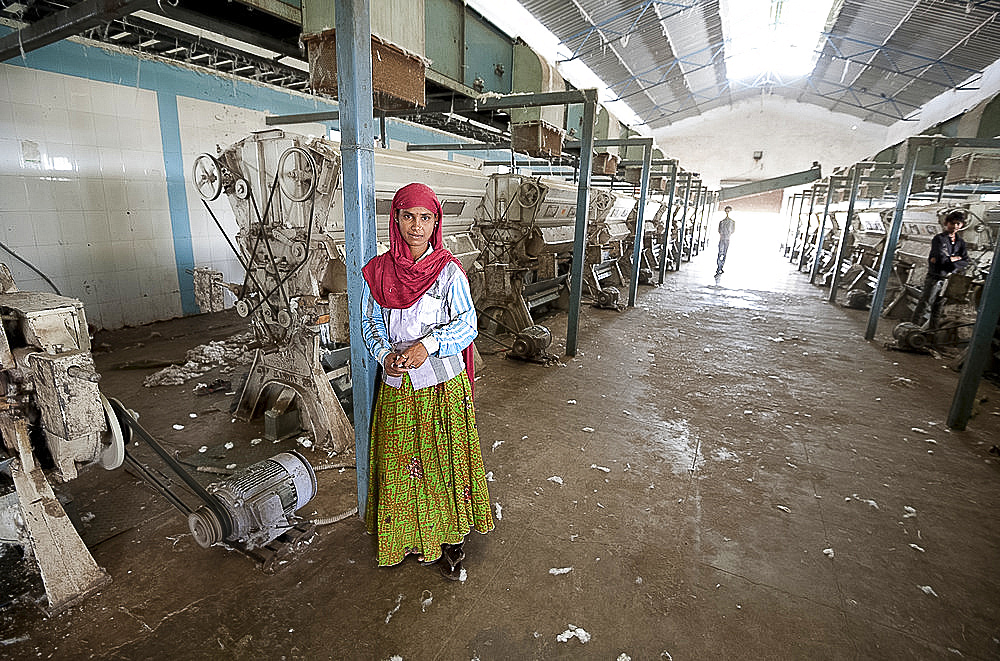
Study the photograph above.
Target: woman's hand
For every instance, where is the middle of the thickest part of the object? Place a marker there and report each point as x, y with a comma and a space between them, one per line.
412, 357
389, 364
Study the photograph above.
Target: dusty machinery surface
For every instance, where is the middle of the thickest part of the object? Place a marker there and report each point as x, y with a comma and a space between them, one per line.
652, 241
54, 421
525, 227
608, 235
861, 276
285, 192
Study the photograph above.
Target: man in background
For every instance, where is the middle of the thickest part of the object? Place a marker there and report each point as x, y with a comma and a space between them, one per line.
948, 255
726, 228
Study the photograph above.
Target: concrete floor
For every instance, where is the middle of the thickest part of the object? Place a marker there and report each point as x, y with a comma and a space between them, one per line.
743, 476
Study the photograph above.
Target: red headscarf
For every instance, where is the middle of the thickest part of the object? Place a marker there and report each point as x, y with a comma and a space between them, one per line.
395, 280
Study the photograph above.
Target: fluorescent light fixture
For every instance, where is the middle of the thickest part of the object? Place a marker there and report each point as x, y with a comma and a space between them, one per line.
201, 56
120, 35
772, 41
149, 42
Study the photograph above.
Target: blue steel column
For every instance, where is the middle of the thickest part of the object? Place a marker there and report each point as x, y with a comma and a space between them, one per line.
698, 217
842, 246
647, 157
905, 183
684, 214
582, 211
821, 235
978, 351
357, 148
805, 233
669, 225
798, 226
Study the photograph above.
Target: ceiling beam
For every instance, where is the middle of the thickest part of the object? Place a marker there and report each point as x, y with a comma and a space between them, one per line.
67, 23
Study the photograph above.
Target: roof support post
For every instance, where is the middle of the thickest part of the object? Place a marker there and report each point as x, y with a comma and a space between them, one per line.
668, 225
647, 157
357, 149
688, 176
582, 212
842, 246
805, 232
978, 351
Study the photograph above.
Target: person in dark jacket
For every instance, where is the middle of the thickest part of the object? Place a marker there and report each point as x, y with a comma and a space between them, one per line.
948, 255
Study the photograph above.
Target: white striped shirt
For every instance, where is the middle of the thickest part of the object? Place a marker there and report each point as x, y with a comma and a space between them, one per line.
443, 320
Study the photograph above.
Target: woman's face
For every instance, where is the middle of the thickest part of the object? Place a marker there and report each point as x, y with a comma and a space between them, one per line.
416, 224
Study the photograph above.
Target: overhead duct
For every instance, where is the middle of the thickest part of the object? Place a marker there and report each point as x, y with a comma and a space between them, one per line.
398, 62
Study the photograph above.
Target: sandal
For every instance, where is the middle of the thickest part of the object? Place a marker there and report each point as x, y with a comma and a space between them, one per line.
453, 555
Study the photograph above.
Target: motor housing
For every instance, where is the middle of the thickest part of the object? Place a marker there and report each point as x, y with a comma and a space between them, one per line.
260, 501
531, 343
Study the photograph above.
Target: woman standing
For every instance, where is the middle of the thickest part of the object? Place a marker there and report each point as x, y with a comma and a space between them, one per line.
428, 486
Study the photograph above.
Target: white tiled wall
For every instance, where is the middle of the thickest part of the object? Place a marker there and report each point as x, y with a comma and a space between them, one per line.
83, 194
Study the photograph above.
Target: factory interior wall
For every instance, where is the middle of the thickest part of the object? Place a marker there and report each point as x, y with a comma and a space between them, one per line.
791, 136
96, 148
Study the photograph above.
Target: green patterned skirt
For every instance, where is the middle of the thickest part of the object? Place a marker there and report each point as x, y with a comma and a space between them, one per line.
427, 485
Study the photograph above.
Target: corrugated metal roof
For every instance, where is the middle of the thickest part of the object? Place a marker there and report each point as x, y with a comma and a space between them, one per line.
880, 61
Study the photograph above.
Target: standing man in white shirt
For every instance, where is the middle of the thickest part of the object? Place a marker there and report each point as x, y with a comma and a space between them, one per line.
727, 226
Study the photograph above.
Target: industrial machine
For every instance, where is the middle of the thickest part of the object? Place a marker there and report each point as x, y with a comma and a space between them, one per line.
53, 421
608, 235
961, 291
867, 245
653, 225
284, 190
525, 227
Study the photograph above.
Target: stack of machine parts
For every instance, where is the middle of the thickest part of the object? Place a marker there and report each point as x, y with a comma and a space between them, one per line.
285, 192
962, 291
54, 421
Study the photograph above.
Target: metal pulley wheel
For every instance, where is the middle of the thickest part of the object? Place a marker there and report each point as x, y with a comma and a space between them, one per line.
241, 189
205, 527
297, 174
284, 318
299, 250
207, 175
529, 193
242, 308
602, 200
910, 335
113, 455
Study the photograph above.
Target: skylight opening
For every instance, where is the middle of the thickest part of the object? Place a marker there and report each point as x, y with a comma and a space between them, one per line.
772, 41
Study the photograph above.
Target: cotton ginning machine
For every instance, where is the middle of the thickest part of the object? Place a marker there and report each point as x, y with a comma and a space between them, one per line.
525, 228
54, 421
607, 235
652, 241
867, 246
284, 190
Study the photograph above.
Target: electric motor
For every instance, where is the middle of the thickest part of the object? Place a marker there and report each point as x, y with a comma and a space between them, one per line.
532, 342
259, 501
608, 298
